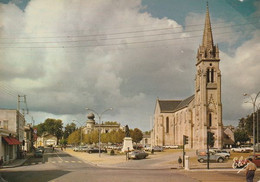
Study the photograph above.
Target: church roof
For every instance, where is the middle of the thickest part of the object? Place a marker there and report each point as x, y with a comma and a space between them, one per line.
171, 106
185, 102
168, 105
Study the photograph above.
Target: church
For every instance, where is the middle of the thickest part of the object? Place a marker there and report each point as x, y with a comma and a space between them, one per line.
200, 113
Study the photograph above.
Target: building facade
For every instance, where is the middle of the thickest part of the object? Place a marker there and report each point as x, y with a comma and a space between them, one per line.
46, 140
91, 126
28, 138
12, 134
200, 113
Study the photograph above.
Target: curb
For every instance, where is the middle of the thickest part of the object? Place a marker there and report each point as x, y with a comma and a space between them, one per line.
17, 165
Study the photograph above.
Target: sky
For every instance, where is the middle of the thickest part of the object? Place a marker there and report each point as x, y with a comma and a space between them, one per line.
69, 55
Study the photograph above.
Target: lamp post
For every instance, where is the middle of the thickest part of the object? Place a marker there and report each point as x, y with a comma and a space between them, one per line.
99, 120
80, 130
253, 101
257, 119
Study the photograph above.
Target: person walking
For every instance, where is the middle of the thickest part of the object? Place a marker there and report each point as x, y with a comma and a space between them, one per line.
180, 161
250, 170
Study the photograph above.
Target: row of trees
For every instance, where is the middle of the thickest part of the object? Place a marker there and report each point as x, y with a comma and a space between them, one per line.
72, 135
113, 137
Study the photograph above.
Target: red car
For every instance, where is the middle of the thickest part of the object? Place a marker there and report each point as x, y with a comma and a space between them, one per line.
256, 159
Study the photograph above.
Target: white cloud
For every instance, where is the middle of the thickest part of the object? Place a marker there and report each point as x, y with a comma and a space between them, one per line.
61, 82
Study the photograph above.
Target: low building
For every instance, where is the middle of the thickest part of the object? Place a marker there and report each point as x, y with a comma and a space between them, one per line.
11, 132
228, 137
146, 141
46, 140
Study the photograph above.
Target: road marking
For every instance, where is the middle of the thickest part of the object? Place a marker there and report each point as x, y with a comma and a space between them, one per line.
79, 161
66, 161
59, 156
73, 161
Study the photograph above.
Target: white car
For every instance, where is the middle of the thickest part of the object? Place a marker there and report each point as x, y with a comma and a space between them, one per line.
170, 146
242, 149
223, 153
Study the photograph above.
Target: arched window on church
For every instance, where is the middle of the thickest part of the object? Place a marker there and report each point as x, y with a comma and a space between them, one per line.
212, 75
210, 119
167, 125
208, 73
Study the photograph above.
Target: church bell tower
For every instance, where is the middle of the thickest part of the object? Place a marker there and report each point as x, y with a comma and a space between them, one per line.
208, 106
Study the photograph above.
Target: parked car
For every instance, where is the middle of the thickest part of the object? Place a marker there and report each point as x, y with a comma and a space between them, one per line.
171, 146
137, 154
80, 149
256, 159
38, 153
157, 149
41, 148
95, 150
242, 149
213, 157
222, 153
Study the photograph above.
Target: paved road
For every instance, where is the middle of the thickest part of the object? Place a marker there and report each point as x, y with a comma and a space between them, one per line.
60, 166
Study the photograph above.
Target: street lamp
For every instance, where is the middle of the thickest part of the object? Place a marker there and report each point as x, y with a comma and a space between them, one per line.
99, 120
253, 101
257, 119
80, 130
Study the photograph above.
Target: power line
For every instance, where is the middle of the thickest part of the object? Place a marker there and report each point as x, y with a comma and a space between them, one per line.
114, 44
116, 33
116, 38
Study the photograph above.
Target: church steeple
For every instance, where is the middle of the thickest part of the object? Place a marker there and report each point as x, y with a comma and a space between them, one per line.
207, 41
207, 50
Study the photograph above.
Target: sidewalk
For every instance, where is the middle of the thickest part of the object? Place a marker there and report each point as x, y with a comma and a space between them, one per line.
119, 161
17, 162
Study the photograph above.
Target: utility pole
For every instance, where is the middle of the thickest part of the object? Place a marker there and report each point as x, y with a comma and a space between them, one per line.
24, 101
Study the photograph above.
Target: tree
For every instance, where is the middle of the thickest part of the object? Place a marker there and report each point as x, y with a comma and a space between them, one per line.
211, 139
147, 132
136, 135
69, 128
40, 129
74, 138
120, 135
63, 141
241, 136
50, 126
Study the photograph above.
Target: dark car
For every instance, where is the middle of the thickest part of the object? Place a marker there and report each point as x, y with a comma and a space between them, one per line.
38, 153
95, 150
41, 148
137, 154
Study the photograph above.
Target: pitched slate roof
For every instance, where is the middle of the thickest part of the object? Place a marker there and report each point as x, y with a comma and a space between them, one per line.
185, 102
168, 105
171, 106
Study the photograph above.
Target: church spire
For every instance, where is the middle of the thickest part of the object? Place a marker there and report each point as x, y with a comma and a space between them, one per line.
207, 50
207, 41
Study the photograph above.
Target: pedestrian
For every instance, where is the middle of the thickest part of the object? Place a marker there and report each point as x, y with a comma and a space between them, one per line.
250, 170
180, 161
